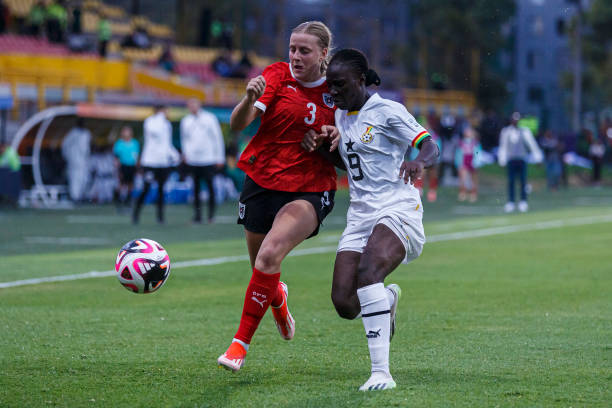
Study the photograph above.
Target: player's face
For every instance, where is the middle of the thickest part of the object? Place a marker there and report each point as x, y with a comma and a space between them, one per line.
346, 87
305, 56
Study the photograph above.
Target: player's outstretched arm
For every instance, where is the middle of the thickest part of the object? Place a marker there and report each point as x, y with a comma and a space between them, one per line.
244, 113
427, 157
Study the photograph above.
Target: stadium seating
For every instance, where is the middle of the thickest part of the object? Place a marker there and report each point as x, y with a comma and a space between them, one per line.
19, 8
10, 43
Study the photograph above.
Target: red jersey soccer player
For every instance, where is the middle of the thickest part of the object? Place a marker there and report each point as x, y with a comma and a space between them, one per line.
288, 191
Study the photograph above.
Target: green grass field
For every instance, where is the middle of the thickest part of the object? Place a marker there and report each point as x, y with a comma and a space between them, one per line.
500, 310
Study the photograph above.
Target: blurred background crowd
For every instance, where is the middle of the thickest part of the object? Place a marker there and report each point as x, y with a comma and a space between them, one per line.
77, 76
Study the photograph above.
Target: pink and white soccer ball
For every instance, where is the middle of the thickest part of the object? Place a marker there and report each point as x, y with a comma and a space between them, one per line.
142, 266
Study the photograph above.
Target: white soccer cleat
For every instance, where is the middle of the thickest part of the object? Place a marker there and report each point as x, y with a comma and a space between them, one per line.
397, 293
378, 381
509, 207
523, 206
233, 358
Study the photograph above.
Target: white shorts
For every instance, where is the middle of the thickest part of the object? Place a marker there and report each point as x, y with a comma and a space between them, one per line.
408, 229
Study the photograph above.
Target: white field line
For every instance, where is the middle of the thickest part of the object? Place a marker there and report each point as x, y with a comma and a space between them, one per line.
66, 240
560, 223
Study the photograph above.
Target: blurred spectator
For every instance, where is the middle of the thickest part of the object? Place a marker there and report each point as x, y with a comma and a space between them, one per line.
126, 150
227, 35
216, 29
104, 34
10, 178
597, 150
489, 130
203, 151
157, 159
449, 140
606, 130
76, 19
138, 39
166, 60
57, 20
103, 174
430, 177
75, 150
242, 69
552, 149
433, 120
231, 169
223, 64
515, 145
5, 15
467, 160
77, 41
9, 158
36, 18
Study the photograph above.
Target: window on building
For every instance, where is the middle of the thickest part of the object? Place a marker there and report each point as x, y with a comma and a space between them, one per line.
530, 60
537, 25
561, 28
535, 93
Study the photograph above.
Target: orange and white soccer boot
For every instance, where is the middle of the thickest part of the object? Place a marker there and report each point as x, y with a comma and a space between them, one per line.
233, 358
282, 317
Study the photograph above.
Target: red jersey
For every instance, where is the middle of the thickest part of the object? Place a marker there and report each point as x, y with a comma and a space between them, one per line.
274, 158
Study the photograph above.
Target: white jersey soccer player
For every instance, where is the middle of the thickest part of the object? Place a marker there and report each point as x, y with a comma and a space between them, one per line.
384, 221
373, 143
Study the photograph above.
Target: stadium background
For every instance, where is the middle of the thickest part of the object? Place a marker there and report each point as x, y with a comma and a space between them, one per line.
502, 309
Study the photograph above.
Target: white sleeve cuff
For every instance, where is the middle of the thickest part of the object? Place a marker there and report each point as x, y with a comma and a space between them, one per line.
259, 105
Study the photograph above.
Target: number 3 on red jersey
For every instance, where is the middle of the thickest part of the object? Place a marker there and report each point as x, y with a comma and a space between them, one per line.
309, 120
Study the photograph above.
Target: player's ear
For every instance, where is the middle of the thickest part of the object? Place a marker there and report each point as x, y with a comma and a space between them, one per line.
324, 53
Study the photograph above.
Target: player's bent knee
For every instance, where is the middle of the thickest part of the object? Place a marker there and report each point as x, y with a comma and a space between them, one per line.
344, 307
268, 258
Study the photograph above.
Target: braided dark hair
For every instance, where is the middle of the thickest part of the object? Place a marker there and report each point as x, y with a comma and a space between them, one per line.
358, 63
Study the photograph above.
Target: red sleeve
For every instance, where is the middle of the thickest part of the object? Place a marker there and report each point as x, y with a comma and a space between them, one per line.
273, 75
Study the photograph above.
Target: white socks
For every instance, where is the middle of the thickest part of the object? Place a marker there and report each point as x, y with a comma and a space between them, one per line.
242, 343
390, 298
375, 314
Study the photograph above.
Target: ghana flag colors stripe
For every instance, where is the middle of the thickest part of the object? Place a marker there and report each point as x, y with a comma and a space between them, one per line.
419, 138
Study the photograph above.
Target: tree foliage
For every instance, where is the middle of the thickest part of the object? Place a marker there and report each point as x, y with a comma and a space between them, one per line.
597, 54
454, 32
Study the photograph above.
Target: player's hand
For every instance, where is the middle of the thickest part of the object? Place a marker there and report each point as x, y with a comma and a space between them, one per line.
332, 134
411, 171
255, 88
311, 141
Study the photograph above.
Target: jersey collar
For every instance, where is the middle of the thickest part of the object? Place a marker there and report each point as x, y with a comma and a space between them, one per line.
313, 84
370, 100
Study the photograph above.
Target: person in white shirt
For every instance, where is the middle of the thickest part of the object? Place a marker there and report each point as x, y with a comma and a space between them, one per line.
203, 151
384, 221
157, 159
76, 148
515, 144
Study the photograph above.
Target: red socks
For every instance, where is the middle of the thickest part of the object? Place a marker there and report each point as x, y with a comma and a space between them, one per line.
263, 289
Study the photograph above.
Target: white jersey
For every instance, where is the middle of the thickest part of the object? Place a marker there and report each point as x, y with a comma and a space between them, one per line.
157, 150
201, 139
373, 143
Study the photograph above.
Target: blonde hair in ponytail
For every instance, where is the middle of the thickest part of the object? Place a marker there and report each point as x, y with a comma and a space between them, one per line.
319, 30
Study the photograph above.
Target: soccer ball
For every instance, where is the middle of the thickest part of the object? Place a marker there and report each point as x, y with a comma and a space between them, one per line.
142, 266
